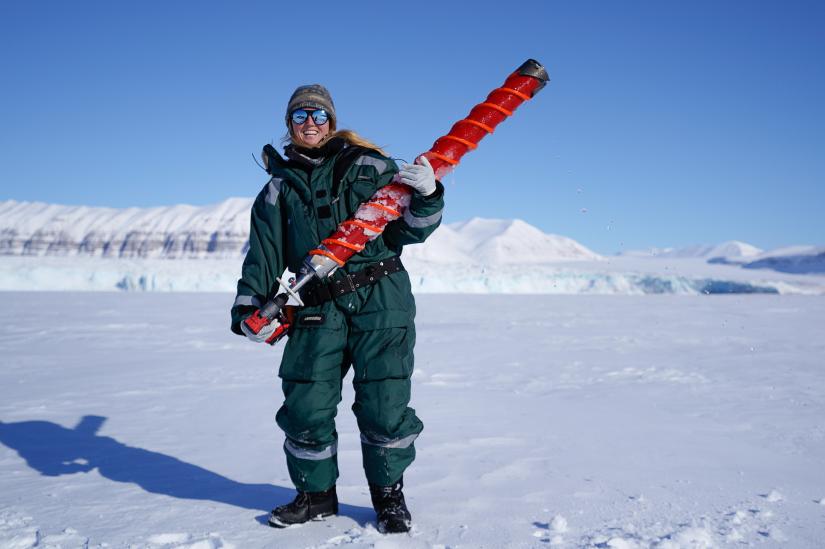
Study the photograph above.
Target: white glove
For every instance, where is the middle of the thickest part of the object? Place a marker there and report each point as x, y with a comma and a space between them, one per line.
263, 335
420, 176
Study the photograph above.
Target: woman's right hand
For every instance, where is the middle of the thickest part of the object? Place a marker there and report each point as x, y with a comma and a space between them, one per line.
266, 333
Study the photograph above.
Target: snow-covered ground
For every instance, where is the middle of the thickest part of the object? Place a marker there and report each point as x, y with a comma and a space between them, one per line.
137, 419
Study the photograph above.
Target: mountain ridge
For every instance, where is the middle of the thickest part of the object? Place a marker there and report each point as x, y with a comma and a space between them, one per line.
179, 231
222, 231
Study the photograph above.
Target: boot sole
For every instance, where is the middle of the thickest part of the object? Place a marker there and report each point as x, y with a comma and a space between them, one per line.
275, 523
384, 530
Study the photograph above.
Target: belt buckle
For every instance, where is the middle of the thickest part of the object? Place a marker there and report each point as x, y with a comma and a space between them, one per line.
351, 283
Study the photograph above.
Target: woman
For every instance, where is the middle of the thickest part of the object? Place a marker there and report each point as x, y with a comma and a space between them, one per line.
366, 322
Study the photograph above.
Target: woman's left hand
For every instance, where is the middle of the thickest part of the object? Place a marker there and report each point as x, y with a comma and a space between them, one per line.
420, 176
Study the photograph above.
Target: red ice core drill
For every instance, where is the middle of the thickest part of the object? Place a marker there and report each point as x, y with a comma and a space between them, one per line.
389, 203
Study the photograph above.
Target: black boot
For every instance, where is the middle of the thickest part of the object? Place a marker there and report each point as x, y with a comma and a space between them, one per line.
389, 505
306, 506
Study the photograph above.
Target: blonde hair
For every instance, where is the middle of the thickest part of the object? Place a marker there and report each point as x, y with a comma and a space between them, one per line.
353, 138
350, 136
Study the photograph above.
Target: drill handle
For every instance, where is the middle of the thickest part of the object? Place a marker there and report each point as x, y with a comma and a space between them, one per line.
273, 307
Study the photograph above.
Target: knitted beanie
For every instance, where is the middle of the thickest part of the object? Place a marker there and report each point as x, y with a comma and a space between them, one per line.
314, 96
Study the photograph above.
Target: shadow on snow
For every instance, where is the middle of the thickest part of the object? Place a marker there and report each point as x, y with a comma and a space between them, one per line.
54, 450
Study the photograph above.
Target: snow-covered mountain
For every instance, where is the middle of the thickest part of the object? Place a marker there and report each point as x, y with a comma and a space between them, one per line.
182, 231
793, 259
790, 259
494, 241
497, 242
730, 250
222, 231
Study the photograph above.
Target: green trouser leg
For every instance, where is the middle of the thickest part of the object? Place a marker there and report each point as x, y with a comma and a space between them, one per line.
383, 361
380, 347
307, 417
312, 368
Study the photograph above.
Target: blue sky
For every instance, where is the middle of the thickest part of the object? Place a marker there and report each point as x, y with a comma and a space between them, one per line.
665, 123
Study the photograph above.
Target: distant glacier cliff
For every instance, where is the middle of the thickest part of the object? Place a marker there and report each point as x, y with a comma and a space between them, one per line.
168, 232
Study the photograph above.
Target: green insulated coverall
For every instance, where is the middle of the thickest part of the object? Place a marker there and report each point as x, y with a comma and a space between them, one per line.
370, 329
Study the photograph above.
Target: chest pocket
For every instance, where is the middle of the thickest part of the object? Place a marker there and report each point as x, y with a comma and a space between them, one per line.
301, 229
363, 180
359, 191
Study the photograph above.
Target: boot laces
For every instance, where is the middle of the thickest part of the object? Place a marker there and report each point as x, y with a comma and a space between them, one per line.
301, 500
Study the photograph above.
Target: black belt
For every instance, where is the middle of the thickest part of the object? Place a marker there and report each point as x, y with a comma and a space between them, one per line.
322, 292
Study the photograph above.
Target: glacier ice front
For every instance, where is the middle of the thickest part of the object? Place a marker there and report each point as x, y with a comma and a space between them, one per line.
616, 277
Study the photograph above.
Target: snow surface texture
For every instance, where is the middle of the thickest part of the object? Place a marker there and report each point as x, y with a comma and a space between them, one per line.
550, 421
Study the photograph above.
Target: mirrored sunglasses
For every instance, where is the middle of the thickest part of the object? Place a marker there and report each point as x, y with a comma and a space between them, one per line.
319, 116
